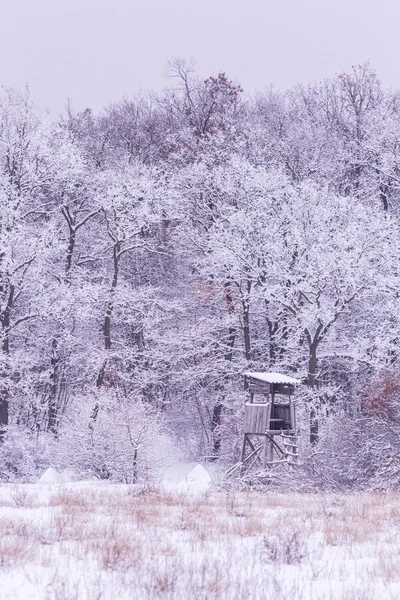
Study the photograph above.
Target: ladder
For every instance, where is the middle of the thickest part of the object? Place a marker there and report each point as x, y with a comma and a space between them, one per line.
289, 446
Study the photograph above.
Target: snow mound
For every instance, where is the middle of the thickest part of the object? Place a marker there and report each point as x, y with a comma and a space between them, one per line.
199, 476
183, 478
53, 476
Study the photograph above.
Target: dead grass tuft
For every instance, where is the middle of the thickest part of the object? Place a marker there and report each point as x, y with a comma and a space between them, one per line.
118, 554
15, 551
289, 547
22, 498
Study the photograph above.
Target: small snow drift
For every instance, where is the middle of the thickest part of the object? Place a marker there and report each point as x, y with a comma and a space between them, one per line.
199, 476
184, 478
53, 476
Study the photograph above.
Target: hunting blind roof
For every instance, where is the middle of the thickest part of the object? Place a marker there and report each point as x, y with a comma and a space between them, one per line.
272, 377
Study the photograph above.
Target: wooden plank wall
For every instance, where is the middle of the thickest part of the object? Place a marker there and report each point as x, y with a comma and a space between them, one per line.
255, 418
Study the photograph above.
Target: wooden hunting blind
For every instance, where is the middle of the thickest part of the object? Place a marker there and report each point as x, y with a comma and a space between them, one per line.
269, 427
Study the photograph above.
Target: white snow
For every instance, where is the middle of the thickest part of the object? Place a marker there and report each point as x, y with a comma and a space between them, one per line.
116, 542
272, 377
199, 476
186, 478
53, 476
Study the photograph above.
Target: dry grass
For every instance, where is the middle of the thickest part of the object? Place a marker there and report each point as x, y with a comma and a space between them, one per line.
107, 541
14, 551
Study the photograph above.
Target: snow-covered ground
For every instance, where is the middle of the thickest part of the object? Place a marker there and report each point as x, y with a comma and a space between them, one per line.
95, 541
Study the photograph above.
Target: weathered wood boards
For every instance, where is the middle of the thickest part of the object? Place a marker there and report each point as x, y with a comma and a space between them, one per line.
256, 417
262, 389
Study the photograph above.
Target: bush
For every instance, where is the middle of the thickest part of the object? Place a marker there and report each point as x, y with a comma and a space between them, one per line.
112, 437
23, 455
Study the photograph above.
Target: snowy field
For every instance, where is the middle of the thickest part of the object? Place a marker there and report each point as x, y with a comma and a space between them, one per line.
96, 541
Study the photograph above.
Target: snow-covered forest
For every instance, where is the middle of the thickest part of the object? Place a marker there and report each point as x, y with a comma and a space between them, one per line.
152, 253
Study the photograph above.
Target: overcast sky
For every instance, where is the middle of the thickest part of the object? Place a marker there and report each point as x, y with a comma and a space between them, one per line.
95, 51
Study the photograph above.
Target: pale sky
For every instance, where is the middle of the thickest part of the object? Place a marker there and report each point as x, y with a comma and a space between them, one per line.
96, 51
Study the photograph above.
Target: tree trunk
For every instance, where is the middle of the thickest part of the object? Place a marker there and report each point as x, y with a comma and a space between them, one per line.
272, 329
109, 312
5, 321
70, 252
3, 413
4, 394
216, 422
52, 423
384, 196
110, 305
217, 411
246, 330
313, 385
246, 321
52, 404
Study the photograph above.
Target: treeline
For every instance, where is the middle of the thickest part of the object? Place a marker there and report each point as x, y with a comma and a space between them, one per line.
152, 253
